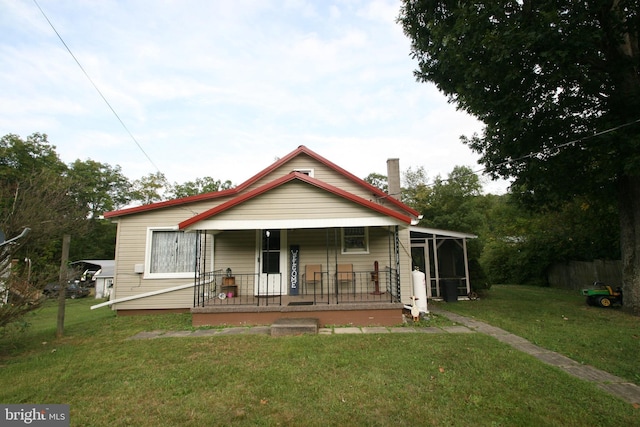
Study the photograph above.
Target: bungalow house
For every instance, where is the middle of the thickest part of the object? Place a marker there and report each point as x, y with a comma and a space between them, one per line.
302, 238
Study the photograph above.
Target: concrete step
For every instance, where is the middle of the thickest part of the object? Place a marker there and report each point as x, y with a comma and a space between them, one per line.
295, 326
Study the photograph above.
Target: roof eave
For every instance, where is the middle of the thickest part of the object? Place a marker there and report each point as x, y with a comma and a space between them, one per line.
236, 190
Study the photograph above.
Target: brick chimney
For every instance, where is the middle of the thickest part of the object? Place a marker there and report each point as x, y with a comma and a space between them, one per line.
393, 178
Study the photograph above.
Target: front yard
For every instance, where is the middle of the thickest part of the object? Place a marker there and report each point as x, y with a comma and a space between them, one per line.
409, 379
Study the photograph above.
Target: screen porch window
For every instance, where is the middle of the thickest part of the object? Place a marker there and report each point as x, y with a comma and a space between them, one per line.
354, 239
172, 251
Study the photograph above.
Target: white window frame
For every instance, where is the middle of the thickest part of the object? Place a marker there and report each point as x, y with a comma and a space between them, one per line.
346, 250
147, 258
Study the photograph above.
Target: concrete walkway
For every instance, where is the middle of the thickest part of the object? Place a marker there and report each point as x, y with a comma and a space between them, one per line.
616, 386
266, 330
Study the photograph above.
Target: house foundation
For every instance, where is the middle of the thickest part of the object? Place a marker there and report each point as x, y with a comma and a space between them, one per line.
379, 314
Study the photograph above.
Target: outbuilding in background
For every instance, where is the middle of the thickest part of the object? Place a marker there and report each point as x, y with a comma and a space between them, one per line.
98, 273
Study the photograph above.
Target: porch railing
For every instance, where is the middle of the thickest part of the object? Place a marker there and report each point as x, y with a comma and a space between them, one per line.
218, 288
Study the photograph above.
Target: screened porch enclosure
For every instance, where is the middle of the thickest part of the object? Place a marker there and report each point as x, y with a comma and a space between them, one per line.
297, 266
442, 256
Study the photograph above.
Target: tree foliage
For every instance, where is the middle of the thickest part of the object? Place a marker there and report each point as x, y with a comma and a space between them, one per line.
19, 158
40, 192
557, 87
99, 186
150, 188
199, 186
514, 244
539, 75
416, 191
453, 202
377, 180
35, 193
521, 245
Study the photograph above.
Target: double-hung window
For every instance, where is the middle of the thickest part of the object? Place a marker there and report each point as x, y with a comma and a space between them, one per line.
171, 253
355, 240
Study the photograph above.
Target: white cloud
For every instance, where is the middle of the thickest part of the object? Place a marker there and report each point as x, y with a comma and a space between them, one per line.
223, 88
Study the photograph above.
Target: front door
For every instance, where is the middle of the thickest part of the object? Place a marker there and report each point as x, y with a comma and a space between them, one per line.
272, 262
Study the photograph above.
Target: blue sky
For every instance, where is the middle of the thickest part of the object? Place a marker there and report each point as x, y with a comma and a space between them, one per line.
223, 88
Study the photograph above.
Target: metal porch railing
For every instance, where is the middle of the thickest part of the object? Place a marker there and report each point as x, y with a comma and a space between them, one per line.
217, 288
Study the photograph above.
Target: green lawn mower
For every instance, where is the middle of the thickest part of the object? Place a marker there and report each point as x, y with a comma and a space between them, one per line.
601, 295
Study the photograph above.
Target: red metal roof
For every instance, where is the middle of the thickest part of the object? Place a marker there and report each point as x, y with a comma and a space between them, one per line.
237, 190
283, 180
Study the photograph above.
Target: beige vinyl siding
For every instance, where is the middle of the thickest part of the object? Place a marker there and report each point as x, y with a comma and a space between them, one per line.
171, 300
406, 286
236, 250
319, 245
320, 172
131, 251
132, 241
296, 200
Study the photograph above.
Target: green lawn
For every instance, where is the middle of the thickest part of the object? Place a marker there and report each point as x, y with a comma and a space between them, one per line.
560, 320
390, 379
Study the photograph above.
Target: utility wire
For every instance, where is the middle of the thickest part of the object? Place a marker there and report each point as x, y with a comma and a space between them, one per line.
97, 89
554, 148
532, 154
506, 162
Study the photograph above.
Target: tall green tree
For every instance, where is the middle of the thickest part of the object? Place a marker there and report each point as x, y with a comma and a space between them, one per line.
377, 180
199, 186
99, 186
21, 157
150, 188
452, 203
416, 191
35, 193
557, 86
521, 245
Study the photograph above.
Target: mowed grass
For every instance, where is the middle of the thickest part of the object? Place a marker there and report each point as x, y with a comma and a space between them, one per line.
369, 380
560, 320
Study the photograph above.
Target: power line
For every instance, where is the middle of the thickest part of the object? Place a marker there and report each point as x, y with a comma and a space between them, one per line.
96, 88
548, 149
532, 154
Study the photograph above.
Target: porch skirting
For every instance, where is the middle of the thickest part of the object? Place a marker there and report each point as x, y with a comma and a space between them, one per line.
375, 314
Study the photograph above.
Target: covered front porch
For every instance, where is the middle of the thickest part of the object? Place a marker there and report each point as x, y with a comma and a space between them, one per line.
338, 274
224, 288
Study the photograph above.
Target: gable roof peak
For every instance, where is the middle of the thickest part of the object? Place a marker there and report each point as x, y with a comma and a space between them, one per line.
302, 149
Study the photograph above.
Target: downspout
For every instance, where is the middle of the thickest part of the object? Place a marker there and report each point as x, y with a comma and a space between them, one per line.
335, 256
397, 240
436, 265
145, 295
390, 263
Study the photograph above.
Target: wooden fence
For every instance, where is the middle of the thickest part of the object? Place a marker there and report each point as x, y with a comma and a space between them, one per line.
581, 274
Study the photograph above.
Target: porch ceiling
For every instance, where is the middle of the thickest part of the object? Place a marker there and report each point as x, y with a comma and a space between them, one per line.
289, 223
